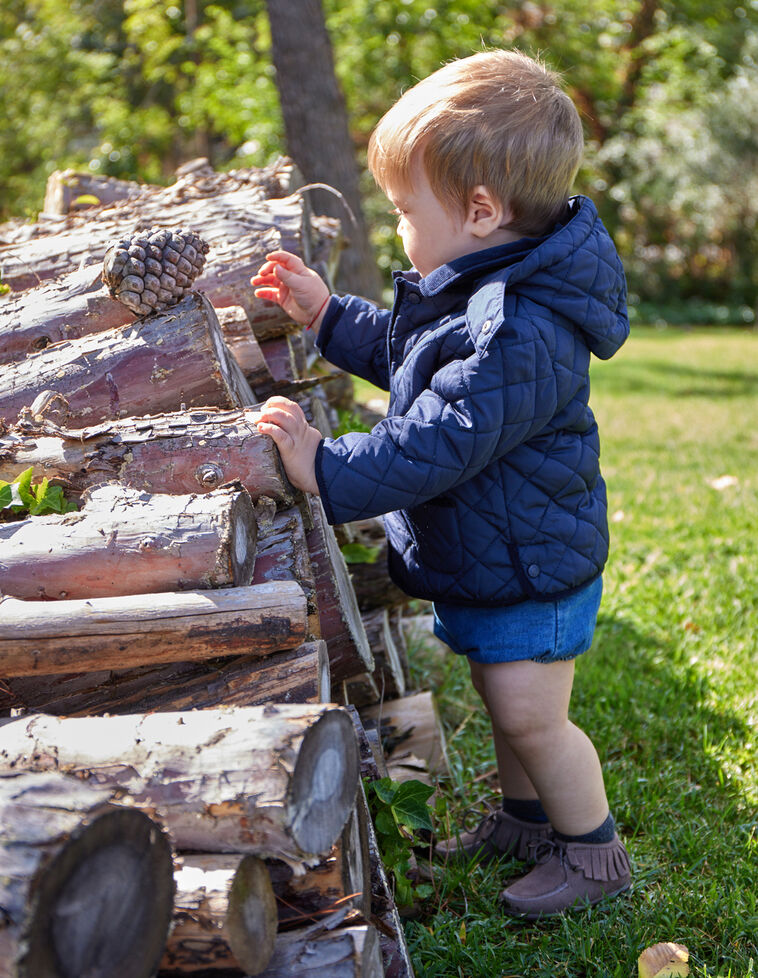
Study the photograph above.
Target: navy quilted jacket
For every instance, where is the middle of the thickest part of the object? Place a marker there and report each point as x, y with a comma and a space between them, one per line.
487, 462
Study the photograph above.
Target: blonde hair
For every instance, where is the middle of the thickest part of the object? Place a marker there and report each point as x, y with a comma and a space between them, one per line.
498, 119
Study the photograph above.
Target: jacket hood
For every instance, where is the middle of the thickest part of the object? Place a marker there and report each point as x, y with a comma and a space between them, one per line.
579, 267
575, 270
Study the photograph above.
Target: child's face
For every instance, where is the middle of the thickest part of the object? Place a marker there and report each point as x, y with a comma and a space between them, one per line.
431, 234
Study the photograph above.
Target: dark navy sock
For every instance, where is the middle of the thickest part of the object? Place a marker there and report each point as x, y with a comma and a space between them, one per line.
603, 833
526, 809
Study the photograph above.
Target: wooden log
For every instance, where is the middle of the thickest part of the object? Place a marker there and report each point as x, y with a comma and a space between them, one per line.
373, 765
240, 338
350, 952
69, 190
161, 362
341, 624
361, 690
105, 633
125, 541
414, 725
341, 880
275, 781
86, 886
225, 915
280, 357
283, 555
388, 673
179, 452
220, 218
298, 676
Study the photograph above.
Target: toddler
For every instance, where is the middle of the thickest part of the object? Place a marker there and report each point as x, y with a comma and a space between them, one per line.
486, 466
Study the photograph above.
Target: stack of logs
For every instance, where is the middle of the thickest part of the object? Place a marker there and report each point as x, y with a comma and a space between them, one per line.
181, 659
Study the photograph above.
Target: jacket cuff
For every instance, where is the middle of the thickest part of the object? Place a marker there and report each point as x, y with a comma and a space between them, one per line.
332, 314
322, 484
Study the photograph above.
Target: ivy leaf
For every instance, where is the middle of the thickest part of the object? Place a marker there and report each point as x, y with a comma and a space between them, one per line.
385, 789
410, 805
22, 489
6, 495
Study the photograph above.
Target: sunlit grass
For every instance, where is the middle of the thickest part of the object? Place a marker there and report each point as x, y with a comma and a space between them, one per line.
668, 693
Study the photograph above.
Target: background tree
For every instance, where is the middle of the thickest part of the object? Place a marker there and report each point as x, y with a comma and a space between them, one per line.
316, 127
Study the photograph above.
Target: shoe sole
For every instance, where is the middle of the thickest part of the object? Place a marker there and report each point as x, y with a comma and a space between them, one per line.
573, 908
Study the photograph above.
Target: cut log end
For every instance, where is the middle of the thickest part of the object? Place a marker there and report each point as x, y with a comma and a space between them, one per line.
252, 918
324, 782
120, 868
243, 545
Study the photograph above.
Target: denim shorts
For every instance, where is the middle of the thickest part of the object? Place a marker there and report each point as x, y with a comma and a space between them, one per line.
543, 631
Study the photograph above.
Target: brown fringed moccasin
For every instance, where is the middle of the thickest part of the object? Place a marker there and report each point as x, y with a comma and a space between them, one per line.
568, 875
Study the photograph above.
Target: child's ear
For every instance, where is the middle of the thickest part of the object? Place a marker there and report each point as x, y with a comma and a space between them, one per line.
486, 213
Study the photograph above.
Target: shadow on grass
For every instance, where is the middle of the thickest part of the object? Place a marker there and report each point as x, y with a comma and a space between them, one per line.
672, 762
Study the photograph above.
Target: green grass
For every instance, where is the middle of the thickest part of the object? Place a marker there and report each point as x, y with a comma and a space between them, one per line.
668, 692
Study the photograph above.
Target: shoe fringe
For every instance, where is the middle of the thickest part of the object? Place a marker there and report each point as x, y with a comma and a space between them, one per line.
601, 862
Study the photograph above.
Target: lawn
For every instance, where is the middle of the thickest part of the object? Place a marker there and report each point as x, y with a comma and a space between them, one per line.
668, 692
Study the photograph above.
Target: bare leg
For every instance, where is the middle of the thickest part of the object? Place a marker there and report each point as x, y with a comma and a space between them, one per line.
514, 781
528, 703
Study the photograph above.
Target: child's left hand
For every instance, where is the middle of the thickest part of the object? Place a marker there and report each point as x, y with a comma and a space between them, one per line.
297, 442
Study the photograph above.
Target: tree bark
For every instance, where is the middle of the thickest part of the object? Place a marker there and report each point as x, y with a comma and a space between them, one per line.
128, 542
351, 952
86, 886
298, 676
275, 781
104, 633
388, 674
221, 215
179, 452
413, 722
341, 625
65, 188
317, 127
224, 915
165, 360
340, 880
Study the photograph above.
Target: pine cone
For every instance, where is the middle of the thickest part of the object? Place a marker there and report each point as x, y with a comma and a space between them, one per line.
153, 269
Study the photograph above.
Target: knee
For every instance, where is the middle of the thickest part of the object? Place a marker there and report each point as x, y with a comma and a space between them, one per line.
529, 729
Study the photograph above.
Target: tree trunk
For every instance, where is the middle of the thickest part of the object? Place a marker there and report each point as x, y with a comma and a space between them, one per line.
317, 127
352, 952
341, 880
105, 633
341, 625
128, 542
181, 452
298, 676
86, 886
164, 360
224, 915
275, 781
240, 338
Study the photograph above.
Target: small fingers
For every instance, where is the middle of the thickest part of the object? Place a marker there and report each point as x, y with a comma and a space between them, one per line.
281, 438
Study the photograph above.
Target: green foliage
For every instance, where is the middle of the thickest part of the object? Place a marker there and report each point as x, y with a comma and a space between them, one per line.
399, 811
349, 421
667, 91
21, 497
359, 553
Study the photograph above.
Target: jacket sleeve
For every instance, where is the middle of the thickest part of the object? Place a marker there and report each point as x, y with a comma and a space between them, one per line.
473, 411
353, 336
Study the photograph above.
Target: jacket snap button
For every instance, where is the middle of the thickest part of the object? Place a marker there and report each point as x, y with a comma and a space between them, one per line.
533, 570
487, 326
414, 297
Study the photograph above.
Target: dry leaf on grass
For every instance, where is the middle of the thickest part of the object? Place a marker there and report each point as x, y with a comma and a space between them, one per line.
664, 960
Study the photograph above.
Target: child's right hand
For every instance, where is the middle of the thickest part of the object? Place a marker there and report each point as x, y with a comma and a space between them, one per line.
300, 291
